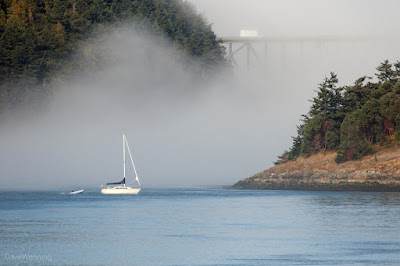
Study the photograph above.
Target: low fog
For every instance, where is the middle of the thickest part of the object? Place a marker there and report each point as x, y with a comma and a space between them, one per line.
185, 131
181, 132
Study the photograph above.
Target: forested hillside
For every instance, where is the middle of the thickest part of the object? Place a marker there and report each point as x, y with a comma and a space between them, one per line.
37, 38
352, 120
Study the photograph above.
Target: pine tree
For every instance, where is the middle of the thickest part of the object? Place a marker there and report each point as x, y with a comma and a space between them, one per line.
38, 37
385, 72
322, 129
295, 150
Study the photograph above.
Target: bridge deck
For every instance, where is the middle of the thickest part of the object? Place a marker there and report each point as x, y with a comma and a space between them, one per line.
298, 39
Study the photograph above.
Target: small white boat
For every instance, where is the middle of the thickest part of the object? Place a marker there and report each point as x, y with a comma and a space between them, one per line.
77, 191
122, 188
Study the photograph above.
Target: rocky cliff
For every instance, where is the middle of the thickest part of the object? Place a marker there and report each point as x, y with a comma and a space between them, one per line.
378, 172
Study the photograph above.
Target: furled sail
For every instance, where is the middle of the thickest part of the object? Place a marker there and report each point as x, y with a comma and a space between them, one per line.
117, 183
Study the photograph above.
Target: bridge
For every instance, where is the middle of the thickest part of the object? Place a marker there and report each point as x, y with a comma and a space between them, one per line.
237, 44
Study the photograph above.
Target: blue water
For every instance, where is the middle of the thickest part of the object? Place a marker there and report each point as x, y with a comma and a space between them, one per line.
200, 227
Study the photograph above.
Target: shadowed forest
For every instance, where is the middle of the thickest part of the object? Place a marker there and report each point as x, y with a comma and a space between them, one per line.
38, 37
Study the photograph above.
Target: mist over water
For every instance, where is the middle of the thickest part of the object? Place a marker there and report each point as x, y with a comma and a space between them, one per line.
183, 131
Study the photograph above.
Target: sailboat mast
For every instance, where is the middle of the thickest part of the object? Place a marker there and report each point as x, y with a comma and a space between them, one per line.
123, 151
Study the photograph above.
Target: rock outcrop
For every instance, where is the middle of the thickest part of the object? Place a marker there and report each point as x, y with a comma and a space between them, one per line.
379, 172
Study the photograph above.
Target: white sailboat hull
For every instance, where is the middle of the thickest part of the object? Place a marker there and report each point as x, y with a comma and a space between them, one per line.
120, 190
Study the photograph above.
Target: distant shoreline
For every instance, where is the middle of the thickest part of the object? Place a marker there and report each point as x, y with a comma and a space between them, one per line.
305, 185
379, 172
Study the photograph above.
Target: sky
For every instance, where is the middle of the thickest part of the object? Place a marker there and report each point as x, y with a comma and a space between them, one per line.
302, 17
183, 133
370, 24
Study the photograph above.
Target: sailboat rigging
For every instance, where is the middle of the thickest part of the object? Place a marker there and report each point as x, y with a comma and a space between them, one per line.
121, 187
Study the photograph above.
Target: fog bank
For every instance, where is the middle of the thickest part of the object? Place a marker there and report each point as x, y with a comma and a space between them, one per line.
182, 130
185, 131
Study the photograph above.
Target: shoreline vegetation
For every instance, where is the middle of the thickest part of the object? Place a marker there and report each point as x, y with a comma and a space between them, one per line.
348, 141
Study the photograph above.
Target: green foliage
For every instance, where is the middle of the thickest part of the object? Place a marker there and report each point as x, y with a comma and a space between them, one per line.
295, 150
386, 73
328, 98
354, 97
353, 120
283, 158
325, 116
353, 145
314, 135
351, 153
37, 38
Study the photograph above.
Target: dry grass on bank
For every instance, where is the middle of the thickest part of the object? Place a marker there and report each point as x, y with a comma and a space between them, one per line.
385, 160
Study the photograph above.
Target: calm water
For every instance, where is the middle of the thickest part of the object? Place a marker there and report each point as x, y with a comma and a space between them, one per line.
200, 227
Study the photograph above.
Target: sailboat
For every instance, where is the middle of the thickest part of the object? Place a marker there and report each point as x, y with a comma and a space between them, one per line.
121, 187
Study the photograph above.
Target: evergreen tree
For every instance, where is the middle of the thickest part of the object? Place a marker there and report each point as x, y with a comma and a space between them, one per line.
37, 38
390, 113
283, 158
385, 72
354, 97
352, 120
321, 131
353, 145
295, 150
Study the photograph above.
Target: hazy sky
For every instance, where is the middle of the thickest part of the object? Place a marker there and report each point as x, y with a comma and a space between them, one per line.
181, 132
302, 17
372, 20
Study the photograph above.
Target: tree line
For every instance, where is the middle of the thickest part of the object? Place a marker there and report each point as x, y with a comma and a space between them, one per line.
352, 120
37, 38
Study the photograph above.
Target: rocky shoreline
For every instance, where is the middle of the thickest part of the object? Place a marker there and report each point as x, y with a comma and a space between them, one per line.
317, 182
380, 172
